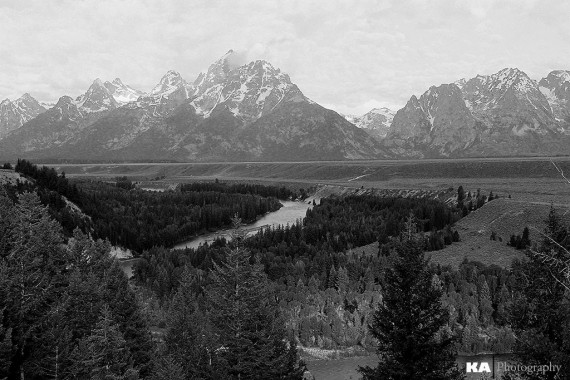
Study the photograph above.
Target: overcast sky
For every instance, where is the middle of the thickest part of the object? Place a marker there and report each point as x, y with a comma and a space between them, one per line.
346, 55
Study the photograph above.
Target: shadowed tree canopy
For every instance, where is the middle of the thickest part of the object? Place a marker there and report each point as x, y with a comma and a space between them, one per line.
409, 323
246, 319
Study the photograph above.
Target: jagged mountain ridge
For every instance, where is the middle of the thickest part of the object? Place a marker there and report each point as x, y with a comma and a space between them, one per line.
556, 88
375, 122
13, 114
503, 114
227, 113
121, 92
255, 112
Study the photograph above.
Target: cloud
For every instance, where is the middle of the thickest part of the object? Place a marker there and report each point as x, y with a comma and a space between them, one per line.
348, 55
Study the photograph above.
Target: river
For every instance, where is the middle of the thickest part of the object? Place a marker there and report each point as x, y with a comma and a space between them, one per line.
288, 214
347, 368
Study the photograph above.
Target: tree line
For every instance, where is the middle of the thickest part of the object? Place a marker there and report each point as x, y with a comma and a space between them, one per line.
67, 311
138, 219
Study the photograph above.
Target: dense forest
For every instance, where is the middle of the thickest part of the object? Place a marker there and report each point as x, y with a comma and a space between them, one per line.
327, 288
309, 284
138, 219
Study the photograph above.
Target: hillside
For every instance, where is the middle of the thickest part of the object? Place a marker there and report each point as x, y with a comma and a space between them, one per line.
503, 216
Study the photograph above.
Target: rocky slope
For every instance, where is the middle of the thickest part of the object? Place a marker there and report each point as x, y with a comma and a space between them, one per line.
376, 122
121, 92
249, 112
255, 112
503, 114
13, 114
556, 88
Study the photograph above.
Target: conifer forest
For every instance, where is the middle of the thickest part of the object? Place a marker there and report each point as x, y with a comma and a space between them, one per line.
251, 306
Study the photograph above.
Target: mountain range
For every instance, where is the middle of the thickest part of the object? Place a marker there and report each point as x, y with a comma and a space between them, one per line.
249, 112
255, 112
503, 114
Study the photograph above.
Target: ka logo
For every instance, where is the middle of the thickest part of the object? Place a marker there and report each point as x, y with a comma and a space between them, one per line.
477, 367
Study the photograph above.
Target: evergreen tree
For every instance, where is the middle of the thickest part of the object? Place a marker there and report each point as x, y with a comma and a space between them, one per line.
460, 196
127, 314
5, 348
103, 354
34, 266
332, 278
168, 369
525, 238
503, 305
485, 303
51, 356
342, 280
540, 313
247, 321
189, 341
409, 322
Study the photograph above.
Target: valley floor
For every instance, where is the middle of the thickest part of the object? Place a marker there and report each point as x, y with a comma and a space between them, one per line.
525, 179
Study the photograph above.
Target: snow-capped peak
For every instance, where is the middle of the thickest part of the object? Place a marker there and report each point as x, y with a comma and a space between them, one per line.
247, 91
96, 99
376, 122
460, 83
562, 75
121, 92
217, 73
27, 97
556, 88
14, 114
170, 82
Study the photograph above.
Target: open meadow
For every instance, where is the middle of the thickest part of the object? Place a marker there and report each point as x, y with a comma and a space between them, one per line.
525, 179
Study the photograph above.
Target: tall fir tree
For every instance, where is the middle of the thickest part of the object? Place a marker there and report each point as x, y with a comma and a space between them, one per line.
485, 303
34, 266
103, 354
244, 314
5, 348
168, 368
189, 341
409, 323
540, 311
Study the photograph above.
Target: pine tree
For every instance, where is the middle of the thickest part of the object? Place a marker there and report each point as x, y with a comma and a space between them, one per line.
503, 305
408, 324
168, 369
51, 356
342, 280
540, 311
332, 278
127, 314
460, 196
103, 354
34, 266
485, 303
243, 313
189, 341
5, 348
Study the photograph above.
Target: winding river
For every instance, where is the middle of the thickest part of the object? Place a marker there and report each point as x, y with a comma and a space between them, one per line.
288, 214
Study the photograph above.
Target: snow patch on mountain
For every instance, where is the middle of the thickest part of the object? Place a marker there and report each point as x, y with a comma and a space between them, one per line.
96, 99
121, 92
248, 91
376, 121
13, 114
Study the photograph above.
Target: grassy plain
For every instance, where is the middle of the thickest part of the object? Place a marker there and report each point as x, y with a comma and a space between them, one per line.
526, 179
533, 184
